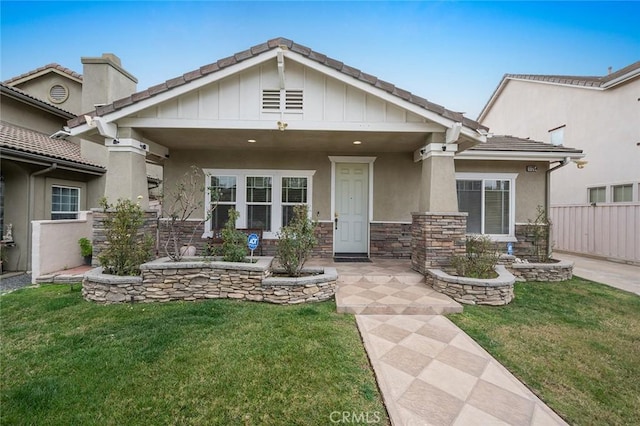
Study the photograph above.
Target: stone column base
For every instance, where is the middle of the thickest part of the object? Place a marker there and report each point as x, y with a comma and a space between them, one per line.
435, 237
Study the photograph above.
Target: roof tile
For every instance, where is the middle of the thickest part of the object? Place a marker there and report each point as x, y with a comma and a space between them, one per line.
174, 82
371, 79
192, 75
245, 54
298, 48
158, 88
228, 61
140, 95
512, 143
333, 64
318, 57
208, 69
53, 65
386, 86
121, 103
260, 48
26, 140
354, 72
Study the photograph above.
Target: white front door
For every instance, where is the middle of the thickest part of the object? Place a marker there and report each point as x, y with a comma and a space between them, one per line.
351, 201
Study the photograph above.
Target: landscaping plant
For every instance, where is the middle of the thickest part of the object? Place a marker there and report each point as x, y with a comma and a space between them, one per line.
127, 246
480, 259
234, 242
179, 204
296, 240
539, 230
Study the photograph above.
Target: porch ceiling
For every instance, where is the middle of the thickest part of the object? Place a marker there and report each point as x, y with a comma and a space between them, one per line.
288, 140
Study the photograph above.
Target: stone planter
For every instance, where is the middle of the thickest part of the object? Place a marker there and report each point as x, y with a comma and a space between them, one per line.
106, 288
555, 271
197, 278
474, 291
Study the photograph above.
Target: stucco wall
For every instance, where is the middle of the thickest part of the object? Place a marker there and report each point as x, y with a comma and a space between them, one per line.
39, 87
30, 118
603, 123
55, 244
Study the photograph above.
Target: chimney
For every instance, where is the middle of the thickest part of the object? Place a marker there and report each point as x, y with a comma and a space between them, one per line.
610, 69
105, 81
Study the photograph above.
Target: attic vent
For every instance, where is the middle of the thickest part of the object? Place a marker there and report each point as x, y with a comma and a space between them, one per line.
293, 99
271, 99
58, 93
282, 100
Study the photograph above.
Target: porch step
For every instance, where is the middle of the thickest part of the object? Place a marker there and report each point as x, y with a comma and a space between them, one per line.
391, 295
351, 258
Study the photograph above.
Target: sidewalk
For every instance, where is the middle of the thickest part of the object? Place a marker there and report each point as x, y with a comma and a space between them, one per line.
619, 275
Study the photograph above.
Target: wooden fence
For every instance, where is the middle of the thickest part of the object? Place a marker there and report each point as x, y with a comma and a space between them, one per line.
610, 231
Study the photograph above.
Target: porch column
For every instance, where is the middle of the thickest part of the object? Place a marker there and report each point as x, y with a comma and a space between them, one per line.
438, 230
126, 171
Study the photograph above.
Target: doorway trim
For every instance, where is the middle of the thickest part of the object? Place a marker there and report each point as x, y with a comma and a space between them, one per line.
335, 159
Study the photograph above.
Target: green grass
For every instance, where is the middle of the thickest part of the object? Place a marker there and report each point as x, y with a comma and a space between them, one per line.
575, 344
68, 361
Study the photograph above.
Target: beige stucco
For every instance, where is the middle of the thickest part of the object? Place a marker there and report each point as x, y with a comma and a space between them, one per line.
603, 123
29, 117
40, 86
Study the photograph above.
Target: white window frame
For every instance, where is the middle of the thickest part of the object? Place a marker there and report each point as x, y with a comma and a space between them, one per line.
606, 191
556, 135
613, 193
77, 211
511, 177
289, 203
276, 194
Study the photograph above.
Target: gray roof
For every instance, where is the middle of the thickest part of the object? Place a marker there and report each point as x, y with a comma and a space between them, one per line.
17, 93
294, 47
507, 143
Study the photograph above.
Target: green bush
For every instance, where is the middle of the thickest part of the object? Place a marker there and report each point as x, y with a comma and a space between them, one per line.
86, 249
234, 242
479, 261
295, 241
127, 245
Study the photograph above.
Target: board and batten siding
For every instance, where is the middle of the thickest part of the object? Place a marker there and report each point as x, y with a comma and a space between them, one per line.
239, 97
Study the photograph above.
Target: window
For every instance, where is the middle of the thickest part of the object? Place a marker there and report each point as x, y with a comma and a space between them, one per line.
294, 192
225, 187
623, 193
290, 100
489, 200
65, 202
264, 198
556, 136
259, 202
597, 195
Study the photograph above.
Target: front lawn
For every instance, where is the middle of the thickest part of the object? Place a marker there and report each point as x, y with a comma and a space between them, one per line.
575, 344
67, 361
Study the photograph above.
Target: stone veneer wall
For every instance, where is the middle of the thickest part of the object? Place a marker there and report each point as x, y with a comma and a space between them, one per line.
473, 291
532, 271
324, 234
163, 281
390, 240
435, 237
99, 242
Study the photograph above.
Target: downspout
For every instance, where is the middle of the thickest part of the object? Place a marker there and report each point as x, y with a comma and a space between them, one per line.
30, 203
547, 194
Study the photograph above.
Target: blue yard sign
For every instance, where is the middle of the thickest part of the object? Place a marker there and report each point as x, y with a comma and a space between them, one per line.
252, 242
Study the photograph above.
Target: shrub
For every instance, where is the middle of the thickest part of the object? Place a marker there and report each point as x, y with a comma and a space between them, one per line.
127, 245
479, 260
295, 241
86, 249
234, 242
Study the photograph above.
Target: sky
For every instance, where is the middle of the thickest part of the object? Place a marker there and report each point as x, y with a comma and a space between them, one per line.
453, 53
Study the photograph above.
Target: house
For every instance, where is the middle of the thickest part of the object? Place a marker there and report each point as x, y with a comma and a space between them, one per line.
383, 170
40, 177
35, 106
595, 205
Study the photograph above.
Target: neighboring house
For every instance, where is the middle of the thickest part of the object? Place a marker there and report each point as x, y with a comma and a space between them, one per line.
36, 105
40, 177
280, 124
595, 205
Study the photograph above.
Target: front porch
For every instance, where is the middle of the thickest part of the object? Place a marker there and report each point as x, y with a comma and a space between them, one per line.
386, 287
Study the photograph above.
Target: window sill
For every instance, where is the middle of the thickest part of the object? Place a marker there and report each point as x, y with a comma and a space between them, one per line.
498, 238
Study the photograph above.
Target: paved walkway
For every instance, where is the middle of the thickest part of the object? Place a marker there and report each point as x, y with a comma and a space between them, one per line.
429, 371
619, 275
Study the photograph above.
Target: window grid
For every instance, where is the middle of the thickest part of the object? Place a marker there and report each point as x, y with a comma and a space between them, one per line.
65, 202
226, 188
598, 195
488, 203
623, 193
259, 190
294, 192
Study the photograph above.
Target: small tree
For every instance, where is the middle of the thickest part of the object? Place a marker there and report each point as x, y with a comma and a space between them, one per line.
127, 247
179, 204
296, 240
539, 230
234, 242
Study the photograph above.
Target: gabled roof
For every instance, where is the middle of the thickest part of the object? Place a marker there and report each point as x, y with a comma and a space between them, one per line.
594, 82
39, 103
510, 147
52, 67
262, 48
27, 141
